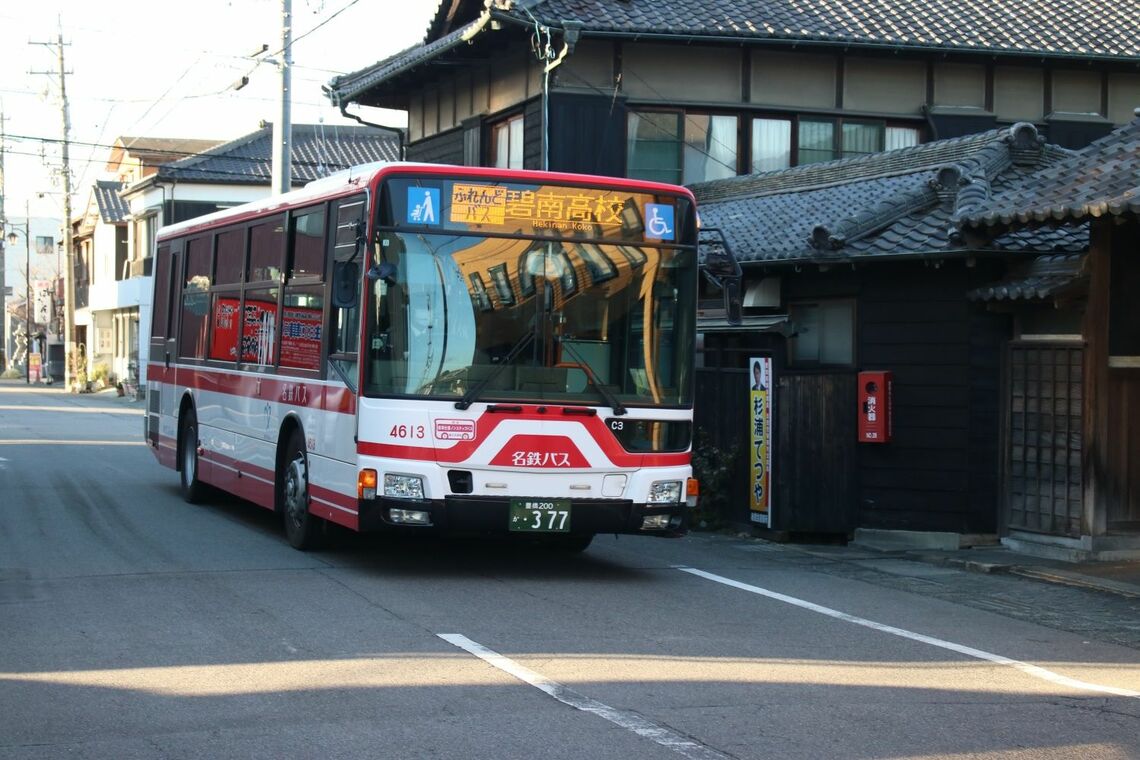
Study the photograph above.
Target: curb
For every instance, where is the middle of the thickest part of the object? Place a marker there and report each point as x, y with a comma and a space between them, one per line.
1049, 575
1065, 578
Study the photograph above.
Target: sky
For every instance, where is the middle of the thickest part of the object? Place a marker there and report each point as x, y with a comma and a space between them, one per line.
159, 68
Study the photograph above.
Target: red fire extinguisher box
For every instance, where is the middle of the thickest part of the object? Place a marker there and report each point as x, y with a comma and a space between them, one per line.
875, 407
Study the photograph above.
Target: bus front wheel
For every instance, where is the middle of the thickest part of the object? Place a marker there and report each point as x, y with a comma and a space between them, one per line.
193, 489
302, 527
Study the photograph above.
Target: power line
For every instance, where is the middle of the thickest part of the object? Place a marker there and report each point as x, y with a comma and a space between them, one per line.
199, 170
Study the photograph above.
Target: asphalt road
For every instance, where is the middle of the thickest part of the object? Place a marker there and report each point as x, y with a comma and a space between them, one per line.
134, 625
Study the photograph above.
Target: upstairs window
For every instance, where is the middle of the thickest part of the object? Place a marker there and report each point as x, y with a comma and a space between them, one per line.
681, 148
507, 143
819, 139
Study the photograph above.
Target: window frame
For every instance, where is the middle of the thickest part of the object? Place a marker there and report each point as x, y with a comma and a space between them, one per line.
795, 120
507, 125
793, 361
681, 142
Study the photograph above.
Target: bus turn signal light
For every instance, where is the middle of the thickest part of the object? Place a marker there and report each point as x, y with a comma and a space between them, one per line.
692, 492
366, 484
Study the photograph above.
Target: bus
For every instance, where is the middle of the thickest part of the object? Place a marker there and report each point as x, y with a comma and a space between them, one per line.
458, 350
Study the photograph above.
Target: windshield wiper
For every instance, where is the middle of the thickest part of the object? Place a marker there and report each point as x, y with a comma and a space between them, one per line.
604, 390
475, 390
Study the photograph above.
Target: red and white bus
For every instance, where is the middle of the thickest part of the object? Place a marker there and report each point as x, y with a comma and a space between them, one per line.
423, 347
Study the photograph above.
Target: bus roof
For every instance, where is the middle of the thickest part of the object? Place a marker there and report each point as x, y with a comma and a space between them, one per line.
360, 177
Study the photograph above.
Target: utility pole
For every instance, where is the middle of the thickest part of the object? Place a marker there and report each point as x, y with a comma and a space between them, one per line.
70, 354
7, 359
283, 125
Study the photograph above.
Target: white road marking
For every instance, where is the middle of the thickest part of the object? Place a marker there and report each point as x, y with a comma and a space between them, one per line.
71, 409
43, 442
1025, 667
644, 728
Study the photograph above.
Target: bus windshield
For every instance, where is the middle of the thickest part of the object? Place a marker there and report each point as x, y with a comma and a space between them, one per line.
476, 317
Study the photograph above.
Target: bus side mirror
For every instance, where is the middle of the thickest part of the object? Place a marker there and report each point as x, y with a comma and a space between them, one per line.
346, 284
733, 308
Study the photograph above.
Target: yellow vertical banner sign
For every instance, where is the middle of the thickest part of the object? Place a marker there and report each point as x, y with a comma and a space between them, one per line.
760, 416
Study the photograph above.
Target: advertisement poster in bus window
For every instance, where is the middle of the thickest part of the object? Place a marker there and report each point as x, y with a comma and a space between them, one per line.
760, 449
258, 331
301, 337
223, 340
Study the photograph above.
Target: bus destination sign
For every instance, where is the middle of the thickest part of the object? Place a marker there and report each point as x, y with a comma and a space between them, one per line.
537, 209
558, 208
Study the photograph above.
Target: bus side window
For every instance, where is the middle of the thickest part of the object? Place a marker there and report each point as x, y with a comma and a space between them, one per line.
345, 246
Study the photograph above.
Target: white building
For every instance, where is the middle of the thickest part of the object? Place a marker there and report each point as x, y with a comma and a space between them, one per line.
45, 260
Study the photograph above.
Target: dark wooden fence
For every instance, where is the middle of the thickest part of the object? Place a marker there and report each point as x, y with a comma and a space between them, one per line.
814, 467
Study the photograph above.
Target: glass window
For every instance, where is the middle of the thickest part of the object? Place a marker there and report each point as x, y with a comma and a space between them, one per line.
653, 149
507, 143
816, 141
345, 339
502, 283
231, 257
573, 341
479, 293
771, 144
825, 332
301, 319
266, 250
224, 332
160, 318
259, 327
862, 138
192, 338
198, 263
710, 147
900, 137
597, 263
308, 233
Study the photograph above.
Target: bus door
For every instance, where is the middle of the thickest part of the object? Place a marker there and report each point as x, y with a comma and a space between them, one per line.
162, 343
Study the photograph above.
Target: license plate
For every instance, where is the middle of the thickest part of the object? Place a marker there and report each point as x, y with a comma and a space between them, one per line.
540, 515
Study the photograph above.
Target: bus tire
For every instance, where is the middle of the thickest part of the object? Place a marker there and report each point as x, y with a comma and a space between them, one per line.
302, 527
193, 489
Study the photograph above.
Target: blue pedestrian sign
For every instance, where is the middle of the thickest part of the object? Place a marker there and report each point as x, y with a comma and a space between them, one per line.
423, 205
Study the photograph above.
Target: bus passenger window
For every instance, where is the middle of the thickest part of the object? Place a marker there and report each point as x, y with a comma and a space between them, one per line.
301, 317
259, 327
307, 245
266, 250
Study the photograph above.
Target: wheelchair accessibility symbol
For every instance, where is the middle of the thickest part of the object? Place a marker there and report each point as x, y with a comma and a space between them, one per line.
659, 221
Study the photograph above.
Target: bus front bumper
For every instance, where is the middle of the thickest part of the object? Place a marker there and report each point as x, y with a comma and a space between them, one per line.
484, 515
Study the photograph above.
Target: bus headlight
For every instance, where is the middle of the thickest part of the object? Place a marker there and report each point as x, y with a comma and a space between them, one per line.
403, 486
665, 492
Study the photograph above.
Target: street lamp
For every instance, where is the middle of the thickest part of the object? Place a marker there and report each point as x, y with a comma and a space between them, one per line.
12, 240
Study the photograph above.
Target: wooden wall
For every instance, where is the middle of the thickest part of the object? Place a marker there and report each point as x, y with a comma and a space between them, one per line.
941, 470
1112, 394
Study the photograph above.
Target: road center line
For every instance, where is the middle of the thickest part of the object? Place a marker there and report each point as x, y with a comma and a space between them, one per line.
1025, 667
644, 728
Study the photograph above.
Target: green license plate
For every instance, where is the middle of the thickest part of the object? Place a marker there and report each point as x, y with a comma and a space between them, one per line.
540, 515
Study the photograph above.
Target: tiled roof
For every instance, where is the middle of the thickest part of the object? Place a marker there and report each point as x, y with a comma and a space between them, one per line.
160, 149
1102, 178
347, 87
112, 208
317, 151
898, 203
1043, 277
1081, 29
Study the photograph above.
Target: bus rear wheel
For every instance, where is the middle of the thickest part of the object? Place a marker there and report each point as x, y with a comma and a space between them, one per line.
302, 527
193, 489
